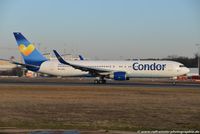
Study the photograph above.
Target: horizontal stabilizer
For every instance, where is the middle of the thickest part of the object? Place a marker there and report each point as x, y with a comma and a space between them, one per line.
21, 64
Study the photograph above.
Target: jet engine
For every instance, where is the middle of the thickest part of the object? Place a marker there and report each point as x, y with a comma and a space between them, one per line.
119, 76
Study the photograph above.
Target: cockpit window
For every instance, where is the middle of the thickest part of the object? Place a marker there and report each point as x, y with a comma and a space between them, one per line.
181, 66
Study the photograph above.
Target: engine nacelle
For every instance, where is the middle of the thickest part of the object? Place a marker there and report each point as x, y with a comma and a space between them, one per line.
119, 76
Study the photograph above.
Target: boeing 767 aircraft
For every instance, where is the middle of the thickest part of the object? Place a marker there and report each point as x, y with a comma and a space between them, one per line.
102, 70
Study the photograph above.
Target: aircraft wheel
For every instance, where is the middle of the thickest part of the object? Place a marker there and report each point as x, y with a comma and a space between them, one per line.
96, 82
99, 81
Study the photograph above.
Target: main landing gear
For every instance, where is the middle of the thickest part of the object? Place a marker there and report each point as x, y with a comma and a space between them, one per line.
100, 80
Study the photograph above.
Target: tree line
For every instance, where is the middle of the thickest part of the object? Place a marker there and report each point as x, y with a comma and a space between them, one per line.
187, 61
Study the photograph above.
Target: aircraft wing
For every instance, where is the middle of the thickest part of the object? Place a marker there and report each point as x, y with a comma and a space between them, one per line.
91, 70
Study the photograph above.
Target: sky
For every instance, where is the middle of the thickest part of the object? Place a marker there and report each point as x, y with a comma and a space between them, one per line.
103, 29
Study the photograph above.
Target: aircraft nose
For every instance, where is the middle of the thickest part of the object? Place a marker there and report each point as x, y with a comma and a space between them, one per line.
187, 70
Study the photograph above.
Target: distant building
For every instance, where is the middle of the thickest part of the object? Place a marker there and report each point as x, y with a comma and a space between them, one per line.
8, 69
6, 65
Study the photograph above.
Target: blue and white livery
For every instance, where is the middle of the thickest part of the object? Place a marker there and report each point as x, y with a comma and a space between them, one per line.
116, 70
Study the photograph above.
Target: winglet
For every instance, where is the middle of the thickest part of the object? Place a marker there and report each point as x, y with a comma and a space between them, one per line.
60, 59
81, 57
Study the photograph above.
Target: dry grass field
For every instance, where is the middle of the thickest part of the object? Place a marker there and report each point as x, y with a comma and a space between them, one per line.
95, 108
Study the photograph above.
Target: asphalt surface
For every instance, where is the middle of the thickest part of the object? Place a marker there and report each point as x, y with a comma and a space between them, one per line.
155, 83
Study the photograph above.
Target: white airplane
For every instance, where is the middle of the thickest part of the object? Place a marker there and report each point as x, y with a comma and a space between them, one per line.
102, 70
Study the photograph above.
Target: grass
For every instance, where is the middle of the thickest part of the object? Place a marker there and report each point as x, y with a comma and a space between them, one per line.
94, 108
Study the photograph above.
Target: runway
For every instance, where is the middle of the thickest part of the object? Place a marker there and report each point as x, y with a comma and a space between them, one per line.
153, 83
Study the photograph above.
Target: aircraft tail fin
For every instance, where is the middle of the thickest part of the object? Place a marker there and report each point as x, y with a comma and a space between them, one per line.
28, 51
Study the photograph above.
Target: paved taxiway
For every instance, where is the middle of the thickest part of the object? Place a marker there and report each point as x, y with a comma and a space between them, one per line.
153, 83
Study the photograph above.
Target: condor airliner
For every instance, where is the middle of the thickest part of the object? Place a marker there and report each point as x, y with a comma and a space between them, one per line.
102, 70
